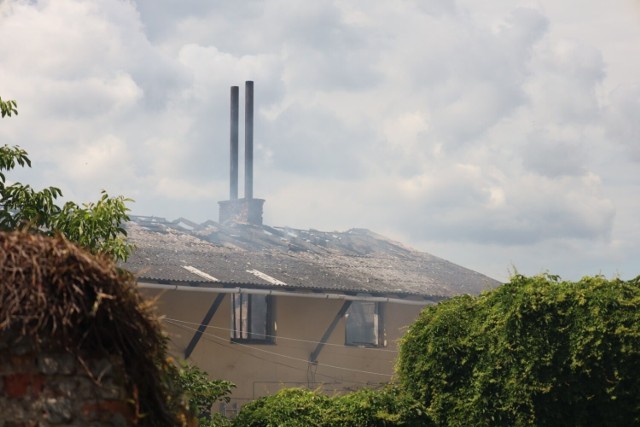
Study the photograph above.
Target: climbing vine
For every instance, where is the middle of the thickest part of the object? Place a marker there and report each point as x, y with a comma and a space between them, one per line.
535, 351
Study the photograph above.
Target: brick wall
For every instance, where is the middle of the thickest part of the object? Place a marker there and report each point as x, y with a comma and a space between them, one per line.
53, 388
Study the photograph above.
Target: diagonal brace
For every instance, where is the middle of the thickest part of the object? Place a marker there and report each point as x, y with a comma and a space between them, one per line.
203, 325
313, 358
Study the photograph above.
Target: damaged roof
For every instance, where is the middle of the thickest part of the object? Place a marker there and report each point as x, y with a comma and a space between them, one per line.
240, 254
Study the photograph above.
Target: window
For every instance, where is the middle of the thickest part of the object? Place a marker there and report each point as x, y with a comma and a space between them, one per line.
364, 324
251, 318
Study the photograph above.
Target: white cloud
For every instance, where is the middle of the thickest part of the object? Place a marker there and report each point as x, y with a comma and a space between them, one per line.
463, 127
554, 157
98, 161
565, 82
622, 122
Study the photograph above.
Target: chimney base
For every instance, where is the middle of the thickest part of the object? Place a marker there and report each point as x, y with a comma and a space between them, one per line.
248, 211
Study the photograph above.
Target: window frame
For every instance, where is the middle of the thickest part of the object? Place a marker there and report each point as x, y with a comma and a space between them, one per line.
269, 334
378, 318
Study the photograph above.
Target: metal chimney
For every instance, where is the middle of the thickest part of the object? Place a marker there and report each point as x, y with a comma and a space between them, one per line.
246, 210
233, 166
248, 141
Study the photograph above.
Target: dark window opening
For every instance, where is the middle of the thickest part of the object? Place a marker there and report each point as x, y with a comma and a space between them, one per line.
251, 318
364, 324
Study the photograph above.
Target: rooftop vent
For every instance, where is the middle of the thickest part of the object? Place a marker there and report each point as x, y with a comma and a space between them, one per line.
247, 210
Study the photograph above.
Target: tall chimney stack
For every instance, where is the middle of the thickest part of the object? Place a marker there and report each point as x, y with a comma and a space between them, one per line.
233, 143
248, 141
246, 210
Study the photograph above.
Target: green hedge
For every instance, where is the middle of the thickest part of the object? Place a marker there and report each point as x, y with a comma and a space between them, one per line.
288, 408
535, 351
295, 407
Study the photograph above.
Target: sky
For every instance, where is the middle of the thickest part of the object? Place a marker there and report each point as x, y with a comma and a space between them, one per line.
500, 135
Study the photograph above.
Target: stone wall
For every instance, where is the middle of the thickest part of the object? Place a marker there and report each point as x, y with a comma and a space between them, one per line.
54, 388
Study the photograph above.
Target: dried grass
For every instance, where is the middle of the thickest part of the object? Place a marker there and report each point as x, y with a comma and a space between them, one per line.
54, 293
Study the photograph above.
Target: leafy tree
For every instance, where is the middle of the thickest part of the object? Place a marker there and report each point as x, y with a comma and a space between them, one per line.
202, 393
535, 351
96, 226
7, 108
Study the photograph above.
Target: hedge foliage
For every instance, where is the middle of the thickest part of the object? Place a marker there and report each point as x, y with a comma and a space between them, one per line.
295, 407
202, 393
535, 351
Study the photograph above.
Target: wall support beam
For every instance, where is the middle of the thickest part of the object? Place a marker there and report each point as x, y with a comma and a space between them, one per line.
203, 325
313, 358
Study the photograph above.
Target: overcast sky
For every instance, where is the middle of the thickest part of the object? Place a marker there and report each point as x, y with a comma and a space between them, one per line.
497, 134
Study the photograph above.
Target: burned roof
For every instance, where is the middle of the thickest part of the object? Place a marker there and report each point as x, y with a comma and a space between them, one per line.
240, 254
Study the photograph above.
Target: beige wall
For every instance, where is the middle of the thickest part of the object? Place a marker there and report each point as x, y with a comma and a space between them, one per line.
259, 369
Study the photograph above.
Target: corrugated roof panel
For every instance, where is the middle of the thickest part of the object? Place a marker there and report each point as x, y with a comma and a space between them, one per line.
266, 277
354, 261
200, 273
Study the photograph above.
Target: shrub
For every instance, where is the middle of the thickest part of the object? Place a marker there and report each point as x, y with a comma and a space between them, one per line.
202, 393
388, 406
535, 351
290, 407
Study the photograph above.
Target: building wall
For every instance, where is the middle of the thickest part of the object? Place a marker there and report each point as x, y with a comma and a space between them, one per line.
260, 369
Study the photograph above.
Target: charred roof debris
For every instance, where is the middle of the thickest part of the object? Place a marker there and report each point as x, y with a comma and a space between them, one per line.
354, 261
240, 250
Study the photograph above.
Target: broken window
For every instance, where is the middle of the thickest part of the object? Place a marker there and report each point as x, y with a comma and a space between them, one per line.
364, 324
251, 318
